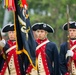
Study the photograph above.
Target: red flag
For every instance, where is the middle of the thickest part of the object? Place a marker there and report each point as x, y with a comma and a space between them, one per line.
24, 2
10, 3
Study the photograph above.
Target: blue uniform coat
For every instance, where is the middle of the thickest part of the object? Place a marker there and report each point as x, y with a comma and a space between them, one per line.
52, 57
62, 58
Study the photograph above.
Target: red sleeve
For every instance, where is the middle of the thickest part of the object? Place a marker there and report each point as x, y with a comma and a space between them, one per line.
67, 73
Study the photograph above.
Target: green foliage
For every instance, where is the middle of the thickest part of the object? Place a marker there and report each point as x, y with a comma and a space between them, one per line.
52, 12
0, 1
58, 11
1, 15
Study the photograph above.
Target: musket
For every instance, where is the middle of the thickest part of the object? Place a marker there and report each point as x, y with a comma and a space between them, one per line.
5, 55
69, 60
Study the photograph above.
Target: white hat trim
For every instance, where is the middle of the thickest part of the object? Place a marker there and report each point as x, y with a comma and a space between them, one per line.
69, 22
7, 25
43, 23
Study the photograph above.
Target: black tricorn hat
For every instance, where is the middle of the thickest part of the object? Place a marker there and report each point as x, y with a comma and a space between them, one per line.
8, 27
43, 26
72, 24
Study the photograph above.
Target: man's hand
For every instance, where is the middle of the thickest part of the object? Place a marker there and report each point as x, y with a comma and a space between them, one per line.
2, 44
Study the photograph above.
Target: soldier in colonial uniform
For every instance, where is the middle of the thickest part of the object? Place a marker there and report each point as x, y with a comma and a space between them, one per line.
66, 54
46, 52
11, 63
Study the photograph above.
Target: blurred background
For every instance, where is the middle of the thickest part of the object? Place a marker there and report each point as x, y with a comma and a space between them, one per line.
53, 12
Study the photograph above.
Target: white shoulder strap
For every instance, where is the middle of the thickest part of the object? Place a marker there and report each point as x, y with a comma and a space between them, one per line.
73, 47
42, 44
10, 48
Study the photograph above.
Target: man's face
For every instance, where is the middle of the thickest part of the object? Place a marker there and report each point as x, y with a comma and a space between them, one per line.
12, 35
72, 33
42, 34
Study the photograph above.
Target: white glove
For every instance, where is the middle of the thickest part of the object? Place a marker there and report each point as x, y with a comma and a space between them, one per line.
2, 43
70, 53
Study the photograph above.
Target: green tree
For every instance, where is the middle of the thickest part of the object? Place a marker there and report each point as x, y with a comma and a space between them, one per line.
1, 15
52, 12
58, 15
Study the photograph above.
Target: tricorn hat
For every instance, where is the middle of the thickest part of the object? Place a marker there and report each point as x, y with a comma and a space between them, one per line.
72, 24
43, 26
8, 27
